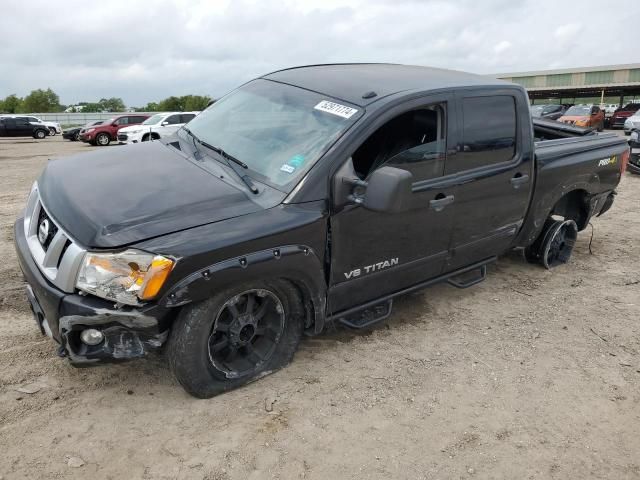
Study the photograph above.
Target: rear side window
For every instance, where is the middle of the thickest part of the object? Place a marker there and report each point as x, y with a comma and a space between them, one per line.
488, 133
173, 119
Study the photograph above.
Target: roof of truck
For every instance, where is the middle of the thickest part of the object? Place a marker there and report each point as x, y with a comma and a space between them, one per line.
351, 81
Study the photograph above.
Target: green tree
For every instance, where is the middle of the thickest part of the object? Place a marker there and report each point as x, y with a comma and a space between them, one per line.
89, 107
195, 102
41, 101
170, 104
150, 107
112, 104
11, 104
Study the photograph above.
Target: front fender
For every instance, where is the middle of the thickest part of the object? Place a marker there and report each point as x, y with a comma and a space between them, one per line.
297, 263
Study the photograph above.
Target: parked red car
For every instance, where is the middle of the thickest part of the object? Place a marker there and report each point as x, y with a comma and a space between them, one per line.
107, 131
620, 116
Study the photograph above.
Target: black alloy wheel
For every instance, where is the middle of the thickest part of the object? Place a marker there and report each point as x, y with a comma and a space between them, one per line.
246, 332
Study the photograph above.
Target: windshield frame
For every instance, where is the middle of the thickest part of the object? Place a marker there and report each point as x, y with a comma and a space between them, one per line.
254, 174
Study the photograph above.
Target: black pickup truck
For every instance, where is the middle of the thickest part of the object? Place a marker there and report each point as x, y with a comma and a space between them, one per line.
22, 127
309, 195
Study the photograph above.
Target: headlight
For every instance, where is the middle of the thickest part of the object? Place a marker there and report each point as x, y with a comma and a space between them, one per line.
125, 277
90, 130
133, 132
634, 136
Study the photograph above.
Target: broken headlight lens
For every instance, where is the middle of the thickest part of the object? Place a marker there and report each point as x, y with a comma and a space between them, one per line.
125, 277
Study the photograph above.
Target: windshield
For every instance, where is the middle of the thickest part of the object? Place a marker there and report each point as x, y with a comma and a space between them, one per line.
278, 130
578, 111
536, 110
153, 120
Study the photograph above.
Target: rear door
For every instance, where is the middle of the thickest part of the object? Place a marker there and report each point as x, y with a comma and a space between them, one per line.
492, 172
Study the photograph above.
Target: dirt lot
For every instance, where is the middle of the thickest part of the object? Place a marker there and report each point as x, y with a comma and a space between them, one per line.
531, 374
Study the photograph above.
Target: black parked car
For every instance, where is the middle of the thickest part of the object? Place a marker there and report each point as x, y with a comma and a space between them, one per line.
22, 127
73, 134
550, 112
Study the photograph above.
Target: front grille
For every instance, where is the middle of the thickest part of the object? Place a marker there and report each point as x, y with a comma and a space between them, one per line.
56, 254
122, 137
52, 229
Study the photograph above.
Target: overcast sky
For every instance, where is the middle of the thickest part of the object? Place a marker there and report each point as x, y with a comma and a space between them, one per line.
146, 51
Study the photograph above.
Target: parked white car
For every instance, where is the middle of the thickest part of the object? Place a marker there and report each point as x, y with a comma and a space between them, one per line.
609, 109
158, 126
54, 127
632, 123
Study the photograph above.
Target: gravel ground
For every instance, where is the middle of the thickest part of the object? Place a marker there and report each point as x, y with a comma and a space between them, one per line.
530, 374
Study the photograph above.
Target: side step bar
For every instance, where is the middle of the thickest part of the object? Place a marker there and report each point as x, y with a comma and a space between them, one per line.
367, 316
468, 279
377, 310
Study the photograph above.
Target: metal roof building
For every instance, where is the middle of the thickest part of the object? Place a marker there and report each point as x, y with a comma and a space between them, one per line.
602, 81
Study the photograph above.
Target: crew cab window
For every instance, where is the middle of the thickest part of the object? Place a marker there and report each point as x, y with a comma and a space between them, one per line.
186, 117
414, 141
488, 133
173, 119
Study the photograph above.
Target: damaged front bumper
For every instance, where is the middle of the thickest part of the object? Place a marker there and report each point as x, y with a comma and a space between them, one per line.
128, 332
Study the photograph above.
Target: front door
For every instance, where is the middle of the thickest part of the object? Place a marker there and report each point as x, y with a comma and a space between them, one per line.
492, 174
373, 253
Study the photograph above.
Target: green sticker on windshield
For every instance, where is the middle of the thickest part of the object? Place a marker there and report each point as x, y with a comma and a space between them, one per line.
296, 161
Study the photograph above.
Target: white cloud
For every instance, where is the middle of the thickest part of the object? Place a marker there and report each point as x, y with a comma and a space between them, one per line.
502, 46
145, 51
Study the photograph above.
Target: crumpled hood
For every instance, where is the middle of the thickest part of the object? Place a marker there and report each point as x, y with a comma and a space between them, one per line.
120, 195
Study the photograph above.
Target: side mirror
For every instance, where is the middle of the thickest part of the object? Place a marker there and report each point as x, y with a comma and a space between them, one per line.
388, 190
164, 124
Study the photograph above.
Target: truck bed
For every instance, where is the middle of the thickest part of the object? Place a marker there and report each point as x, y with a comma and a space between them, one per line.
578, 163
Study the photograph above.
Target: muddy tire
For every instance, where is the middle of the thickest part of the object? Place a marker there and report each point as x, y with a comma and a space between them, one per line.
103, 139
237, 336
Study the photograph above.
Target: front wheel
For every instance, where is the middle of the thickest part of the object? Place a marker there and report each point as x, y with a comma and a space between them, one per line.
236, 336
52, 131
103, 139
40, 134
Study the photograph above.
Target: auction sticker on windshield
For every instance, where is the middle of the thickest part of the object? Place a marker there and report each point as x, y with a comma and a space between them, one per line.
336, 109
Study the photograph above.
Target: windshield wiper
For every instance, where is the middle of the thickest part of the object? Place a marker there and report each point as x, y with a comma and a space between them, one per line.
246, 179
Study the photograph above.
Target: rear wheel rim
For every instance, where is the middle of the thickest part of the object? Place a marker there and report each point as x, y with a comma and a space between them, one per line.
560, 245
246, 333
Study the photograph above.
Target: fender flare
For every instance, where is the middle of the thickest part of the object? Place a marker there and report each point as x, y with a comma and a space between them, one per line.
298, 264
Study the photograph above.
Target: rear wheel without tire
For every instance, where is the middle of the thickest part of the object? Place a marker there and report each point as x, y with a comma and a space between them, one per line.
554, 245
103, 139
236, 336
